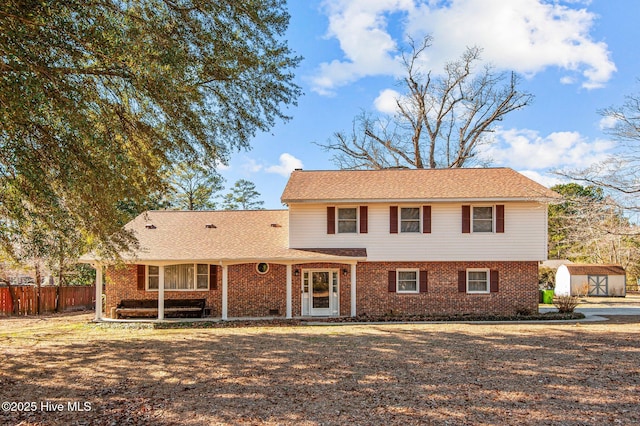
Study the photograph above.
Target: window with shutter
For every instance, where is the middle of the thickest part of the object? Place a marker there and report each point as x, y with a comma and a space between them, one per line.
466, 219
331, 220
393, 219
500, 218
494, 281
423, 281
426, 219
141, 276
213, 277
364, 219
392, 281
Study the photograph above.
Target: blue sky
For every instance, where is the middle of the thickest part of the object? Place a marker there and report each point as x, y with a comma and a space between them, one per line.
575, 56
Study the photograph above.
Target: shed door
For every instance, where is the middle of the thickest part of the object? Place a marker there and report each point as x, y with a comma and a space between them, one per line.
598, 285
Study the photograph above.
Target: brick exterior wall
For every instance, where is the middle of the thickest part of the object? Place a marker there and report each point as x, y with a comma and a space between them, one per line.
518, 289
122, 284
251, 294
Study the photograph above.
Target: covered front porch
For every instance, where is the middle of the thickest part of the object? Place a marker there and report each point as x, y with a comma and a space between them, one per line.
310, 284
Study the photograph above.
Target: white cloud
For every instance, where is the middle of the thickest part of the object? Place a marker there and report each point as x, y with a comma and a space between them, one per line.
288, 163
251, 166
360, 26
526, 149
527, 36
386, 101
608, 122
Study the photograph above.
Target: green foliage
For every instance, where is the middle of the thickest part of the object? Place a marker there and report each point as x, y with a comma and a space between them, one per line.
98, 97
546, 278
243, 196
193, 187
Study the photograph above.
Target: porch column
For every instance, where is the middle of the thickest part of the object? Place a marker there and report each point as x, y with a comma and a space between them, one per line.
98, 292
288, 291
353, 290
161, 293
225, 288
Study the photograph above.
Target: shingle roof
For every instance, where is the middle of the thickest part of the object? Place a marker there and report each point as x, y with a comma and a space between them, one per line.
585, 269
258, 235
405, 184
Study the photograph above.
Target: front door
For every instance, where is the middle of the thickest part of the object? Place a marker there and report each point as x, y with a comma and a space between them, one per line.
320, 292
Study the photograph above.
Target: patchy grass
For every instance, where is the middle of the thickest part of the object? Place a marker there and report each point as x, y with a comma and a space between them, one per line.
438, 373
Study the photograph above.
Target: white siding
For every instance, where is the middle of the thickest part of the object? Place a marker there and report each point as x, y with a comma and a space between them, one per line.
524, 239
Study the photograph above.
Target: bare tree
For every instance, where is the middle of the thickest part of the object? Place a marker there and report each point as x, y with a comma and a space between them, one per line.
440, 120
619, 174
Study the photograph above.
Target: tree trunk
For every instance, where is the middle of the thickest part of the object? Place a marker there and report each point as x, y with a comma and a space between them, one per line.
38, 285
12, 296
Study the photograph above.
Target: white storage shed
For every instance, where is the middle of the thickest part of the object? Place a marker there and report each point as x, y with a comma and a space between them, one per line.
590, 280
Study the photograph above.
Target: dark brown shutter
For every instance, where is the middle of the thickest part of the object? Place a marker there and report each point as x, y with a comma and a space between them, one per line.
500, 218
494, 282
393, 219
364, 219
392, 281
331, 220
462, 281
426, 219
141, 277
466, 219
213, 277
423, 281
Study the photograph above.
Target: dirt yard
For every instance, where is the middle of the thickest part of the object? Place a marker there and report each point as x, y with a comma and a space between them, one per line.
66, 370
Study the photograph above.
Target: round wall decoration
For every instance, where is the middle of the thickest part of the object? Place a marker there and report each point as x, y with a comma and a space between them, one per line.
262, 268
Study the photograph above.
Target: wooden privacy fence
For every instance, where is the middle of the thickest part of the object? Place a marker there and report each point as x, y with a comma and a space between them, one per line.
52, 299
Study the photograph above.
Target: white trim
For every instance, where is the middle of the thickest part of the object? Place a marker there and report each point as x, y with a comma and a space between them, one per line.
545, 200
417, 271
334, 302
493, 218
488, 272
337, 219
354, 311
225, 290
161, 292
195, 277
265, 272
98, 292
400, 231
289, 292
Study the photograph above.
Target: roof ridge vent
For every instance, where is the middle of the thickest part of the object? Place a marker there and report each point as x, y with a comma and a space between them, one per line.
210, 226
150, 226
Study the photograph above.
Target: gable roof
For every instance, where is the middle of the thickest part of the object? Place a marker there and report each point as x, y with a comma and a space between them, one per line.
586, 269
222, 236
413, 185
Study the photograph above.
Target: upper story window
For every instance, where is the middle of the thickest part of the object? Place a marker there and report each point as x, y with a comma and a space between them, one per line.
347, 220
482, 219
410, 219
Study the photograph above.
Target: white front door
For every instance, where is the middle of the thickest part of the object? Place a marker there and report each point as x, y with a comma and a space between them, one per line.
320, 294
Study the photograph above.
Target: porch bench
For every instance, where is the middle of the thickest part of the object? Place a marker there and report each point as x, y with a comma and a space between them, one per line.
173, 308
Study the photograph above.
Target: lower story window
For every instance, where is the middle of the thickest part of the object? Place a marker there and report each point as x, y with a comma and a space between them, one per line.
187, 276
407, 281
478, 281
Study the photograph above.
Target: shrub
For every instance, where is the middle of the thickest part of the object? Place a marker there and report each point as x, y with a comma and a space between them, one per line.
565, 304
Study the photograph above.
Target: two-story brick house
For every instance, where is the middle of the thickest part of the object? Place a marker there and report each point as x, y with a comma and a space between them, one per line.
350, 243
